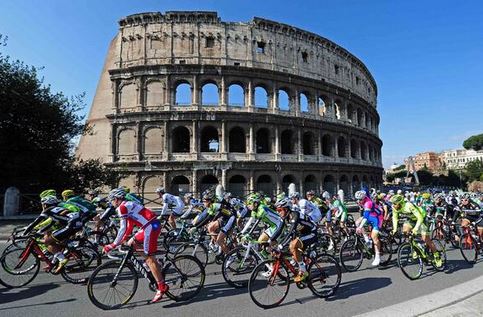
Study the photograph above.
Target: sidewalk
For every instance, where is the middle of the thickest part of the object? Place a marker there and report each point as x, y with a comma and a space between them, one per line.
472, 306
7, 226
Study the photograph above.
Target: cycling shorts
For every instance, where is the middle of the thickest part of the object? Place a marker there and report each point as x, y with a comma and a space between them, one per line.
148, 236
423, 229
375, 221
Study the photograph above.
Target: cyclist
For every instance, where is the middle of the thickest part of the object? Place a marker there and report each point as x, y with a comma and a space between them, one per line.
415, 223
371, 215
472, 213
306, 208
340, 210
172, 206
328, 215
135, 215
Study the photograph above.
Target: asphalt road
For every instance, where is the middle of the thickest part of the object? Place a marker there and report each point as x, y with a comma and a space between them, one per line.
359, 292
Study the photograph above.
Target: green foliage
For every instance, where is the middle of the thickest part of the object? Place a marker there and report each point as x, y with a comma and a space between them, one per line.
474, 142
400, 168
391, 176
425, 177
37, 127
474, 170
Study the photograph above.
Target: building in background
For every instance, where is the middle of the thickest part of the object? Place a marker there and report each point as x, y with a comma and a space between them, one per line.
427, 160
457, 159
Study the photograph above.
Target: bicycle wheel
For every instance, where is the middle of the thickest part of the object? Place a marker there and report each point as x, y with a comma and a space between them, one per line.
351, 255
386, 252
469, 248
442, 253
324, 276
197, 250
237, 267
409, 261
111, 286
83, 260
185, 276
326, 244
268, 289
439, 234
18, 269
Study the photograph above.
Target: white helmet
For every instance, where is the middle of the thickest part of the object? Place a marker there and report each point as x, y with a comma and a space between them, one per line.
294, 195
49, 200
326, 195
399, 192
116, 193
359, 195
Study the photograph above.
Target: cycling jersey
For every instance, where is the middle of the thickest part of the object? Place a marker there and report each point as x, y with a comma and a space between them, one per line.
341, 210
415, 217
270, 218
303, 229
135, 215
172, 203
224, 214
309, 209
372, 215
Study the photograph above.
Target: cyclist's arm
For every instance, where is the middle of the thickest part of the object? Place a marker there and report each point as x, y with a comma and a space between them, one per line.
37, 221
247, 225
202, 219
419, 218
395, 219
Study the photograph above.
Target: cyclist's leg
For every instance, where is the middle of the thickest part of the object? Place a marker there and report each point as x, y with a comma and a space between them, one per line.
148, 237
224, 231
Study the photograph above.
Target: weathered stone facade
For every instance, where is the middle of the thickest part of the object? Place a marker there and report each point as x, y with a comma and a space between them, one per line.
291, 107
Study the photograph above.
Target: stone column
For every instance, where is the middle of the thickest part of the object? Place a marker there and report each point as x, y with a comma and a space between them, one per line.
164, 178
195, 92
251, 147
166, 147
300, 150
223, 145
250, 96
223, 93
251, 182
277, 144
274, 107
297, 103
194, 184
319, 144
139, 142
223, 178
336, 147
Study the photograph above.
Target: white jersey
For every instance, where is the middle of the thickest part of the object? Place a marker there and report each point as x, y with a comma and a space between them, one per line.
172, 203
309, 209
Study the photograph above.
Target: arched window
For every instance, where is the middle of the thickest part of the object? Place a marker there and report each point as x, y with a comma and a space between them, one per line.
180, 185
353, 149
209, 95
359, 117
265, 184
363, 151
287, 180
341, 146
327, 145
183, 94
209, 140
263, 141
321, 106
237, 186
350, 113
356, 184
283, 100
304, 103
309, 143
208, 181
311, 183
126, 142
261, 97
181, 140
237, 141
236, 96
287, 142
329, 184
128, 96
149, 194
344, 185
154, 94
153, 141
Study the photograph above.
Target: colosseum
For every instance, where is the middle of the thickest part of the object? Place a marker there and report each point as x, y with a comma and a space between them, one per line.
186, 101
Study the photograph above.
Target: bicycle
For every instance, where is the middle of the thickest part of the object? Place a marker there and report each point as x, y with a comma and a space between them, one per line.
273, 276
22, 265
116, 281
445, 232
354, 250
412, 255
470, 244
198, 247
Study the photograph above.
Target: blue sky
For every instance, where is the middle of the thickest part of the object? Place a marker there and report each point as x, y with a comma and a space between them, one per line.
426, 56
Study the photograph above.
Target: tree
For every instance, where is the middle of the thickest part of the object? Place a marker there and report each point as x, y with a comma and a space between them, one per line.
474, 170
36, 129
425, 177
474, 142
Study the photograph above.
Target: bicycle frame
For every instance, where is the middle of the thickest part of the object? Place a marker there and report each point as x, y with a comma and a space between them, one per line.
33, 247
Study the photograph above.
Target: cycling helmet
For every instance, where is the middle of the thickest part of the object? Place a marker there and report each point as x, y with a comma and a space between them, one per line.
125, 189
326, 195
294, 195
359, 195
48, 192
208, 196
391, 192
66, 194
188, 196
397, 199
381, 196
426, 195
399, 191
160, 190
311, 192
283, 203
253, 198
226, 195
49, 200
116, 193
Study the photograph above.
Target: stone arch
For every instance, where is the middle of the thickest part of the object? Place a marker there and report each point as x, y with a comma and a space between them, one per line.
329, 184
365, 182
180, 140
356, 184
359, 117
209, 94
287, 142
153, 140
261, 97
265, 184
263, 144
344, 184
237, 140
126, 143
180, 185
339, 109
309, 143
182, 94
208, 181
304, 102
350, 113
321, 105
154, 94
237, 185
363, 151
236, 95
310, 183
283, 100
149, 187
353, 149
327, 145
209, 139
341, 146
128, 96
287, 180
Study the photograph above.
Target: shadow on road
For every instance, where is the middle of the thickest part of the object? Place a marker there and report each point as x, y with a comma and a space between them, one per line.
457, 265
26, 293
360, 286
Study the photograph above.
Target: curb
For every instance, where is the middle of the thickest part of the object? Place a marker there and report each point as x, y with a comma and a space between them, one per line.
431, 302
